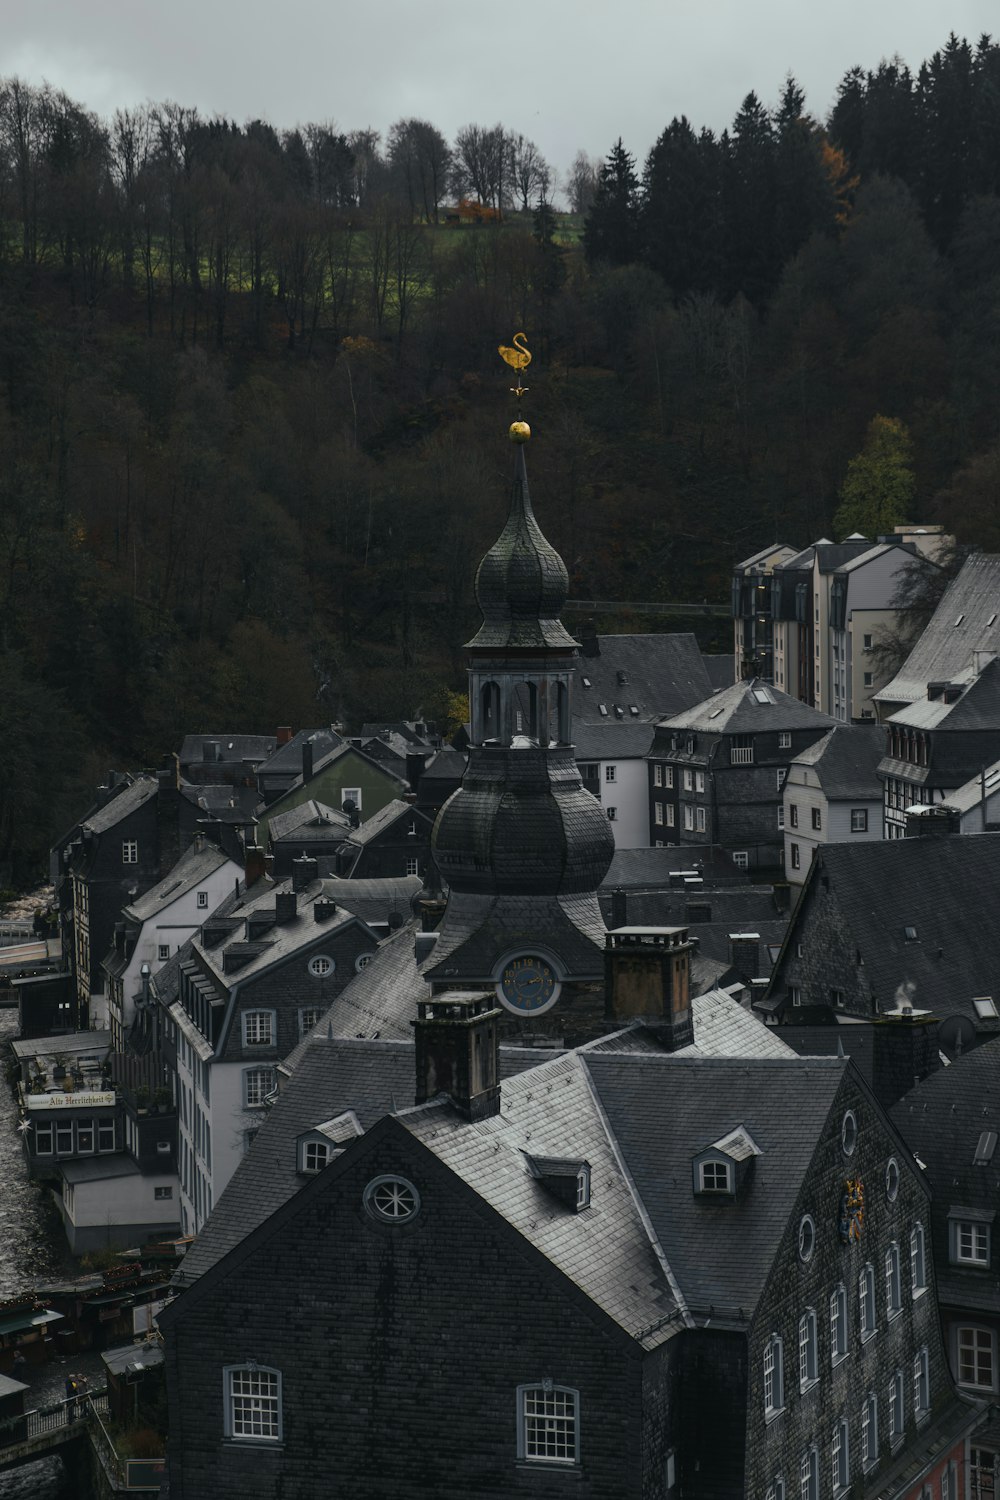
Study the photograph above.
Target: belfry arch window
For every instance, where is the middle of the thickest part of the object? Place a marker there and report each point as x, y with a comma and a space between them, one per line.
561, 726
489, 711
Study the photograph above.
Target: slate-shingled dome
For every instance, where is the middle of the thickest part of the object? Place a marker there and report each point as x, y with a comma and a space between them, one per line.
522, 581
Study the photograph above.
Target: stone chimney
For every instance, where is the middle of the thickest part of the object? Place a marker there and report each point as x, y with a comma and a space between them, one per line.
285, 906
647, 978
304, 872
905, 1050
458, 1051
744, 954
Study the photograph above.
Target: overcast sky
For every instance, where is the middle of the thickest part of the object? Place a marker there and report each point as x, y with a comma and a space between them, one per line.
571, 74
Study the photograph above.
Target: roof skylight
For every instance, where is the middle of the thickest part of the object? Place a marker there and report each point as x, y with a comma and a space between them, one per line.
985, 1147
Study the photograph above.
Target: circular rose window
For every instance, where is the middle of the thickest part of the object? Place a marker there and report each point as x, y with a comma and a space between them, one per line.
849, 1133
807, 1238
393, 1200
891, 1179
321, 965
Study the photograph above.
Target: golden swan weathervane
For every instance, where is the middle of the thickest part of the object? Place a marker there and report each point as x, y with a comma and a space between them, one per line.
519, 358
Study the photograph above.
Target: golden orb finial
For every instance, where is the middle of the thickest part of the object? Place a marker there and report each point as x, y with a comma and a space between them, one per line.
519, 432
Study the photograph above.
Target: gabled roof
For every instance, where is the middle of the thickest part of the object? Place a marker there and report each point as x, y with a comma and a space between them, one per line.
310, 820
384, 819
446, 764
721, 670
977, 707
193, 867
663, 674
132, 795
846, 761
615, 740
971, 794
650, 869
382, 900
287, 758
943, 889
765, 554
751, 707
230, 804
966, 620
232, 747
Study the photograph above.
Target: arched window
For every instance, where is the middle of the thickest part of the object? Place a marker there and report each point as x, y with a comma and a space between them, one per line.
866, 1302
893, 1293
252, 1403
840, 1456
809, 1475
918, 1267
897, 1416
489, 711
869, 1432
838, 1323
562, 713
808, 1371
921, 1384
774, 1377
548, 1423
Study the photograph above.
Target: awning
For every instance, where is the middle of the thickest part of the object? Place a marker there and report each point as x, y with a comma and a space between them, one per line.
27, 1319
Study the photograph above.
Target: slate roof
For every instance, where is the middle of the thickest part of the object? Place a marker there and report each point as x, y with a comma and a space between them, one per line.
375, 901
846, 762
100, 1167
971, 794
133, 795
946, 648
615, 740
663, 1110
942, 1120
747, 708
372, 1078
310, 820
446, 764
230, 804
664, 674
287, 758
650, 869
405, 729
721, 670
193, 867
977, 708
386, 816
855, 1041
944, 888
478, 929
233, 747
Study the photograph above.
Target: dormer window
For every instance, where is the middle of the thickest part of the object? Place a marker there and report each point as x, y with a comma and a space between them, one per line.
722, 1168
566, 1178
315, 1156
316, 1148
714, 1177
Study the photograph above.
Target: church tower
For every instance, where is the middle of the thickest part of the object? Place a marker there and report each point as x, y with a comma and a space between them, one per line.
522, 844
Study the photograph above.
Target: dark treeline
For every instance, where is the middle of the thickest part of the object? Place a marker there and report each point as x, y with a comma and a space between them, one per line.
252, 418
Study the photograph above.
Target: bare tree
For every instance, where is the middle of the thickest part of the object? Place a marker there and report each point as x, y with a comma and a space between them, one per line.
419, 159
483, 165
532, 175
581, 183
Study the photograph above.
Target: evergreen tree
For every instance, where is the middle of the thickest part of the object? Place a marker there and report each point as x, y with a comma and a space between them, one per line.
611, 231
876, 493
752, 264
681, 209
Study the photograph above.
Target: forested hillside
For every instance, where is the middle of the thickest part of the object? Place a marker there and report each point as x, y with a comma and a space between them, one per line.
252, 418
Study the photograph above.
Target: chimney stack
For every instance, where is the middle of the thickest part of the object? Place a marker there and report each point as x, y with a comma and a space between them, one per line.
416, 763
304, 872
253, 864
744, 954
285, 906
619, 907
284, 734
307, 760
458, 1051
647, 978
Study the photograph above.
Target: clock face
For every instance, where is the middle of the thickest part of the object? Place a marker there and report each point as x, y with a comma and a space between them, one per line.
527, 985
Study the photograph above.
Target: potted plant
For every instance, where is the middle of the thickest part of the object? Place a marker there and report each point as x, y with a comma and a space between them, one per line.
162, 1100
142, 1099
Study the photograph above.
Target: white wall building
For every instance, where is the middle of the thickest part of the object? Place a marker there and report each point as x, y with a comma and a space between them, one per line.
832, 795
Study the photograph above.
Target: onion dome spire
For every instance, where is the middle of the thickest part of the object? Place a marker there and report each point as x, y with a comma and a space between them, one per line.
522, 582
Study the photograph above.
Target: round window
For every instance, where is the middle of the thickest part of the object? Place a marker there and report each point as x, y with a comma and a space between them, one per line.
849, 1133
891, 1179
807, 1238
362, 961
392, 1199
321, 965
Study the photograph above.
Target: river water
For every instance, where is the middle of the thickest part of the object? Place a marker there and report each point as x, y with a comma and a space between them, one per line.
31, 1245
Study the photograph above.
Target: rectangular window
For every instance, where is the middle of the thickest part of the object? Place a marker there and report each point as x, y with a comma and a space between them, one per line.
688, 817
257, 1084
741, 750
918, 1271
85, 1136
839, 1458
130, 852
611, 773
866, 1299
781, 819
774, 1380
741, 859
668, 776
657, 775
869, 679
700, 819
106, 1135
162, 952
869, 1433
671, 814
793, 815
784, 740
896, 1415
351, 794
548, 1424
972, 1244
780, 777
658, 812
975, 1358
859, 820
253, 1404
43, 1138
64, 1138
866, 642
258, 1028
817, 819
893, 1297
612, 814
796, 856
699, 781
921, 1391
838, 1324
689, 781
315, 1156
202, 900
163, 1192
412, 865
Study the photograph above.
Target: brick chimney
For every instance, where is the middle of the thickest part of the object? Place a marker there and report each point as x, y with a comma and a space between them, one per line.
304, 872
284, 735
647, 977
307, 760
253, 864
286, 905
744, 953
458, 1051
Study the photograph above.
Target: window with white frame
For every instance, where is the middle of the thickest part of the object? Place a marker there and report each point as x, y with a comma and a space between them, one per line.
162, 952
840, 1456
671, 814
43, 1138
351, 794
106, 1135
258, 1028
918, 1266
668, 776
897, 1416
774, 1377
699, 819
257, 1084
412, 864
202, 900
869, 1432
866, 1302
252, 1403
308, 1018
322, 965
85, 1136
548, 1423
699, 781
969, 1242
838, 1323
893, 1290
921, 1384
713, 1177
809, 1475
817, 819
976, 1361
781, 818
808, 1371
612, 814
611, 773
795, 856
793, 815
859, 820
64, 1137
780, 776
657, 775
776, 1489
658, 813
130, 852
784, 739
741, 859
688, 780
315, 1155
688, 817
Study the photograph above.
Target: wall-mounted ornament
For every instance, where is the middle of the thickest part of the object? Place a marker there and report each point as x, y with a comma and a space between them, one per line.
852, 1211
